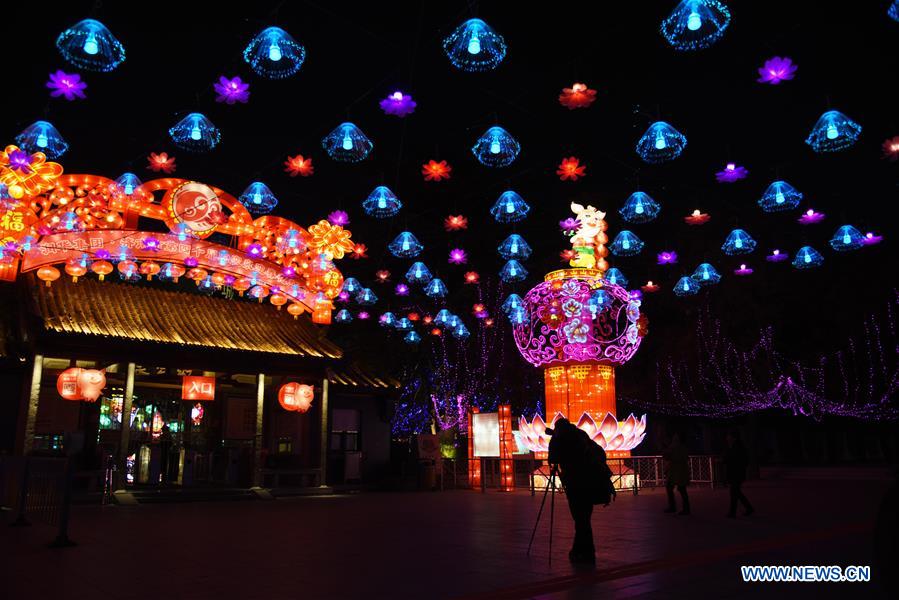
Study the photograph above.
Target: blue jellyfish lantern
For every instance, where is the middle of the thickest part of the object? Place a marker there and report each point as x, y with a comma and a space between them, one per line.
893, 10
510, 208
616, 277
42, 136
807, 258
626, 244
518, 316
403, 324
685, 286
388, 319
705, 274
598, 301
343, 316
514, 247
127, 183
436, 289
512, 271
443, 317
418, 273
738, 242
412, 338
89, 45
661, 143
274, 54
474, 46
696, 24
461, 331
195, 133
405, 245
258, 199
639, 208
496, 148
381, 203
347, 143
833, 132
453, 321
779, 196
366, 297
513, 302
351, 285
847, 237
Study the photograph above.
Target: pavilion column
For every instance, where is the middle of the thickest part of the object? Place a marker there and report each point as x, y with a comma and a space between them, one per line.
33, 399
125, 441
258, 440
324, 436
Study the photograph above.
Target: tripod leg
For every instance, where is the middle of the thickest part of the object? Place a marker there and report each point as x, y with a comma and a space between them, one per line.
539, 513
552, 512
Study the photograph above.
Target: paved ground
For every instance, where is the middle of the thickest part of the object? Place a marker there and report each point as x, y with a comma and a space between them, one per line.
447, 545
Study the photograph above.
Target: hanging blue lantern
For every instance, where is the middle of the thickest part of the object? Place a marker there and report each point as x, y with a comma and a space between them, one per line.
388, 319
514, 247
615, 277
807, 258
893, 10
42, 136
443, 316
696, 24
127, 183
436, 289
833, 132
474, 47
847, 237
518, 316
779, 196
705, 274
512, 271
381, 203
453, 321
343, 316
626, 244
418, 273
685, 286
403, 324
258, 199
195, 133
274, 54
639, 208
412, 338
510, 208
496, 148
461, 332
366, 297
598, 301
738, 242
661, 143
405, 245
347, 143
513, 302
91, 46
351, 285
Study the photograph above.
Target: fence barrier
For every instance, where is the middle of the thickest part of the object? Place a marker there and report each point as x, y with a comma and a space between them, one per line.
38, 489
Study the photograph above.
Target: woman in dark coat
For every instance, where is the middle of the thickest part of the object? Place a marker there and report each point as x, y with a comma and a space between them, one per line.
735, 462
677, 460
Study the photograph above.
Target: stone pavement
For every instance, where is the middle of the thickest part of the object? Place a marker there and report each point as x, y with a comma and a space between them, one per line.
459, 544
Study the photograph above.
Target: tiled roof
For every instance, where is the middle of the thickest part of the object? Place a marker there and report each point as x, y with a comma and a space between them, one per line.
352, 375
145, 313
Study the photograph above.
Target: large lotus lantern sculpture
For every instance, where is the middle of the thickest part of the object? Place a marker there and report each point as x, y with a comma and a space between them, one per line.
610, 434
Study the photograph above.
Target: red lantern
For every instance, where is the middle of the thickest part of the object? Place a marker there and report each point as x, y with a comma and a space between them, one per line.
296, 396
296, 309
81, 384
278, 300
127, 268
149, 268
102, 268
48, 274
75, 268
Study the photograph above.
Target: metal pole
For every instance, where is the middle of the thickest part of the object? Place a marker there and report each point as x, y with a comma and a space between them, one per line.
33, 399
258, 439
124, 443
62, 538
324, 436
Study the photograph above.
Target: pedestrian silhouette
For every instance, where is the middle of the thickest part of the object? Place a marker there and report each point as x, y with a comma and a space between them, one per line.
735, 462
676, 458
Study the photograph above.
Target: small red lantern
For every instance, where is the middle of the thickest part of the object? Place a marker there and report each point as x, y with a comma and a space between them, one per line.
149, 268
242, 285
295, 309
102, 268
278, 300
128, 268
296, 396
322, 313
76, 268
48, 274
259, 292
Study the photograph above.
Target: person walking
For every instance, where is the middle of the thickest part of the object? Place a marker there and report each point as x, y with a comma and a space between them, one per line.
735, 463
677, 461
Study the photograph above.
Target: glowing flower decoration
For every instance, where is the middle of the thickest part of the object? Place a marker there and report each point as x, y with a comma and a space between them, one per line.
68, 86
26, 174
457, 256
401, 289
405, 245
777, 69
510, 208
569, 225
512, 271
567, 255
436, 171
298, 165
383, 276
42, 136
347, 143
738, 242
412, 338
777, 256
472, 277
381, 203
398, 104
576, 331
436, 289
360, 251
512, 302
668, 257
871, 239
731, 173
810, 217
231, 91
195, 133
258, 198
496, 148
743, 271
366, 297
91, 46
571, 307
363, 315
616, 277
649, 287
807, 258
705, 274
661, 143
685, 286
455, 223
274, 54
626, 244
780, 196
570, 169
418, 273
697, 217
161, 162
331, 240
891, 148
639, 208
847, 237
577, 96
514, 246
833, 132
343, 316
474, 47
696, 24
479, 311
339, 217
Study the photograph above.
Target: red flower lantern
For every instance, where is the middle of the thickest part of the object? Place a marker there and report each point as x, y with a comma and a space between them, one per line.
891, 148
297, 165
570, 169
472, 277
382, 276
48, 274
296, 396
161, 162
577, 96
650, 287
436, 171
455, 223
697, 217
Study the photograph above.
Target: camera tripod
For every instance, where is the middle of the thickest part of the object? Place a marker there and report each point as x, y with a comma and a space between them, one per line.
550, 483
